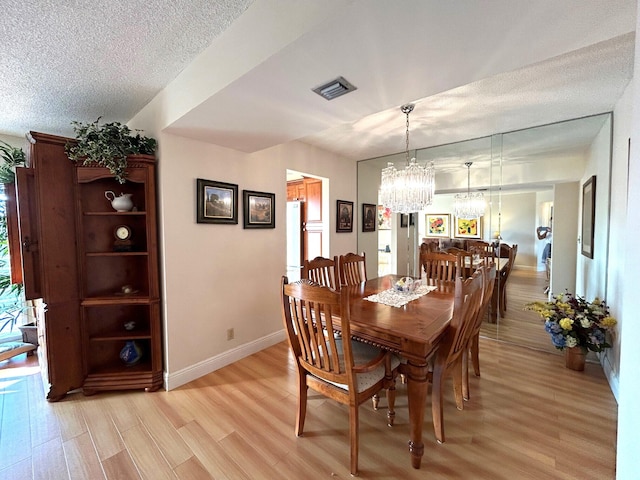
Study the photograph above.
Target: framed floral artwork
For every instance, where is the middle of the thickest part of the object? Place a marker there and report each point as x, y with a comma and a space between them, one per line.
384, 218
468, 227
438, 225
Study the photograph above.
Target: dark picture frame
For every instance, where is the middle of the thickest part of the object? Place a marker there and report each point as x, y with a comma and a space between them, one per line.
404, 220
259, 209
344, 216
369, 214
216, 202
588, 216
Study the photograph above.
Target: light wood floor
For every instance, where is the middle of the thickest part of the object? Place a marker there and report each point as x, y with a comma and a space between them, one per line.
518, 326
528, 418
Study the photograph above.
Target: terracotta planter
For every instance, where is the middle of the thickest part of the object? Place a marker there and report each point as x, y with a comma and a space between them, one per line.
574, 358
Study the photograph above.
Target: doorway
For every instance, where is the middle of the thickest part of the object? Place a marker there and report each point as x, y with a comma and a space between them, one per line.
307, 234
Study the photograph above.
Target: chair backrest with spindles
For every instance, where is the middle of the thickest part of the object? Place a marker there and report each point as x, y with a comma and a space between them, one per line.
323, 271
440, 266
353, 269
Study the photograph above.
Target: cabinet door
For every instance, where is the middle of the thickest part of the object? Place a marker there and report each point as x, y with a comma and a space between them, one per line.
13, 233
28, 233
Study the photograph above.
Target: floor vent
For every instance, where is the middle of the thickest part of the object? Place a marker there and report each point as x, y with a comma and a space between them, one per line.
335, 88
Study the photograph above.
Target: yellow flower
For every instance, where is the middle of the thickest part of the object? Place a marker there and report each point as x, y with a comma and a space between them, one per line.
608, 322
596, 301
566, 323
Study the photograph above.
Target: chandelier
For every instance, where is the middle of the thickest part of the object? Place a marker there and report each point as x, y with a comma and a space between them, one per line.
410, 189
469, 205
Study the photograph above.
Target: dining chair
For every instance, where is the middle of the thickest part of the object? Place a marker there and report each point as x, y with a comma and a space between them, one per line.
503, 277
323, 271
440, 267
473, 344
349, 372
353, 268
448, 357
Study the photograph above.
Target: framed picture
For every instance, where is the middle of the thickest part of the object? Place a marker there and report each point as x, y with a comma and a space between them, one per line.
368, 217
344, 216
438, 225
216, 202
468, 227
404, 220
259, 209
384, 218
588, 216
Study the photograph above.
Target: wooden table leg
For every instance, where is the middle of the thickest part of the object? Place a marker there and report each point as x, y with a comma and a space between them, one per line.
417, 387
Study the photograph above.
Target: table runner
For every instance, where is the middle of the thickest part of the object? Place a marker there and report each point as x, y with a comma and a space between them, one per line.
393, 298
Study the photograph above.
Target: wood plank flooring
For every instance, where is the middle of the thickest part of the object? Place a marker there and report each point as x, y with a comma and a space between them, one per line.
518, 326
528, 418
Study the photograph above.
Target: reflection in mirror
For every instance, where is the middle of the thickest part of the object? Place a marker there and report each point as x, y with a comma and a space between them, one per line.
530, 178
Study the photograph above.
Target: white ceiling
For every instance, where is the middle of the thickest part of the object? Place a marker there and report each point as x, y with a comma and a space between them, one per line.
472, 68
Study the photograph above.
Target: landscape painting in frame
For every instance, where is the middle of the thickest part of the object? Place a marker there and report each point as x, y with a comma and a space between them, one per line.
259, 209
438, 224
217, 202
468, 227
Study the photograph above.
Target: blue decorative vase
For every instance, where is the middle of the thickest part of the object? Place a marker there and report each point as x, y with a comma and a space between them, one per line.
131, 353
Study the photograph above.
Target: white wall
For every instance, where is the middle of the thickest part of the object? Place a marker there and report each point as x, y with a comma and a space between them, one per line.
565, 232
591, 272
217, 277
623, 289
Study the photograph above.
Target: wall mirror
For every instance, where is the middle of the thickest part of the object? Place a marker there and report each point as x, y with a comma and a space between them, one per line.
529, 178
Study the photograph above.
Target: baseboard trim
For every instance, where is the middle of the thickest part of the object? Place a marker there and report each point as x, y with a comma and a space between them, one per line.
186, 375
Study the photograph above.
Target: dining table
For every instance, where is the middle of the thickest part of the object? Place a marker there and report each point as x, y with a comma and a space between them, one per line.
411, 331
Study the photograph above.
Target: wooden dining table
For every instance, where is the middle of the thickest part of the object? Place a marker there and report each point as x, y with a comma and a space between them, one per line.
412, 331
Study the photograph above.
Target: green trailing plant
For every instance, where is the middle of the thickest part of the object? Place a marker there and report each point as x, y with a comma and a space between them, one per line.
10, 293
12, 157
108, 145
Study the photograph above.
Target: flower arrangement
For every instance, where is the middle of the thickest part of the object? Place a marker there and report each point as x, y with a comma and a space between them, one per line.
571, 321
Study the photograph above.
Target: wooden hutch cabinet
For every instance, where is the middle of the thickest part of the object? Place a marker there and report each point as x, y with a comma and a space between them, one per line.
100, 291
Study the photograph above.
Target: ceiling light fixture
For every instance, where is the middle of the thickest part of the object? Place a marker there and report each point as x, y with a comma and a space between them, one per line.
410, 189
469, 205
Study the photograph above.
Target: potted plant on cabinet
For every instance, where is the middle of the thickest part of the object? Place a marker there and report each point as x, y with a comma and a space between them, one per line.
108, 145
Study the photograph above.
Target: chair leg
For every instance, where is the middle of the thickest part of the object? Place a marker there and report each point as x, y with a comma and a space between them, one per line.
375, 400
302, 403
475, 353
436, 403
391, 403
465, 373
456, 374
353, 433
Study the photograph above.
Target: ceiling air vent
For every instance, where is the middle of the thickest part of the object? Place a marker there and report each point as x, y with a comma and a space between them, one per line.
334, 88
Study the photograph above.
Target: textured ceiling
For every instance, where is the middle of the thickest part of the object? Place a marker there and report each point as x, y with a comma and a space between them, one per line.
78, 60
472, 68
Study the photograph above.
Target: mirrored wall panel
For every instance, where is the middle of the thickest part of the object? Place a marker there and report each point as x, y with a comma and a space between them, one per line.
531, 182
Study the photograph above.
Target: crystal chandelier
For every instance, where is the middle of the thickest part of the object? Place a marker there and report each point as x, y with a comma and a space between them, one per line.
469, 205
410, 189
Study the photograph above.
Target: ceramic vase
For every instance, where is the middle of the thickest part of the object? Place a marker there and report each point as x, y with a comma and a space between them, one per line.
574, 358
131, 353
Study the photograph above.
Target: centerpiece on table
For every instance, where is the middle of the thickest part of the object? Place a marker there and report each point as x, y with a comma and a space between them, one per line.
575, 325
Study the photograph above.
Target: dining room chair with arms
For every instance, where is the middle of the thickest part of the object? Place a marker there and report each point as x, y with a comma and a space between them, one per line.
349, 372
353, 268
447, 359
323, 271
473, 344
